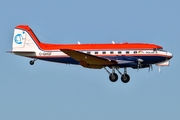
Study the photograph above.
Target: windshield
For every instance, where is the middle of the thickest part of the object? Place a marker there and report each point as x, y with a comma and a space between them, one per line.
161, 49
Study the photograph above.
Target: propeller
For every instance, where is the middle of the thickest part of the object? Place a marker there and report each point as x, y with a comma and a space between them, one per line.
159, 70
139, 63
150, 68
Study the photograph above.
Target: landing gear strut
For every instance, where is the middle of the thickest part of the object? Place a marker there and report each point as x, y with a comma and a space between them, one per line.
125, 78
32, 62
113, 77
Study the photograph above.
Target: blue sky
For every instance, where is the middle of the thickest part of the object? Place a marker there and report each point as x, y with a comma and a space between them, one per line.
57, 91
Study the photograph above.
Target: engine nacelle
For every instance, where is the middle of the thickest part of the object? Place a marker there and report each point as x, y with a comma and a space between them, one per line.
165, 63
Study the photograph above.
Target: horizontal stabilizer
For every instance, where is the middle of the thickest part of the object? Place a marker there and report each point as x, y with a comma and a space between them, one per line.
23, 53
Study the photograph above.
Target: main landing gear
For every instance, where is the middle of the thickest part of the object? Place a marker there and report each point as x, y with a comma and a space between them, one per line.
32, 62
113, 77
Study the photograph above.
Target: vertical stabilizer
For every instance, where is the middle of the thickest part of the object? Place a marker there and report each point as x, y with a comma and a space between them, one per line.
24, 39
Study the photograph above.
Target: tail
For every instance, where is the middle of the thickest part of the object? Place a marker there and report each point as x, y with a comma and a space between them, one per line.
24, 40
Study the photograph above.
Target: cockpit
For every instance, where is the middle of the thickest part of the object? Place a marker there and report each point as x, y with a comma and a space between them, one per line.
159, 49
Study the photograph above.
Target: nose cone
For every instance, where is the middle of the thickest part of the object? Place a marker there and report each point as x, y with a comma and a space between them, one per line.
169, 55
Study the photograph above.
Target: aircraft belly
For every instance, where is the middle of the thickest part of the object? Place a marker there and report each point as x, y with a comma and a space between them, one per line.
121, 63
152, 59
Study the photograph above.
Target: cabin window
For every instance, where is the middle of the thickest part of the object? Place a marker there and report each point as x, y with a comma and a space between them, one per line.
103, 52
96, 52
88, 52
111, 52
154, 49
119, 52
135, 52
127, 52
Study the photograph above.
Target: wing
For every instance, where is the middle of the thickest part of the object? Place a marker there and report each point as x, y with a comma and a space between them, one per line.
87, 60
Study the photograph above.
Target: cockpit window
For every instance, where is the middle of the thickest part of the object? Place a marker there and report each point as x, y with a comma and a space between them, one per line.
161, 49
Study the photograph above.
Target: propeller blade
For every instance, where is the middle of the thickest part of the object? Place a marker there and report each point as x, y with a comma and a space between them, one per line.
150, 67
139, 63
159, 69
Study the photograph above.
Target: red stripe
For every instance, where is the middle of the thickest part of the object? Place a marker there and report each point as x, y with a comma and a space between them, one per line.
117, 46
107, 55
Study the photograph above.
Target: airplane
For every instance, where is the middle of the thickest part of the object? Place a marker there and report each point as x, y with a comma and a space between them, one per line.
95, 56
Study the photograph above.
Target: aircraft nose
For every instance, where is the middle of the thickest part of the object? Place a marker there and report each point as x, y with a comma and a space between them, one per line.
169, 55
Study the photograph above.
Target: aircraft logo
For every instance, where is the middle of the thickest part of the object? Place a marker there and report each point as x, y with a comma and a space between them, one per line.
18, 38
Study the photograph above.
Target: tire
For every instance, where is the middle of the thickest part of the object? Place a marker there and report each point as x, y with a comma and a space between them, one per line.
113, 77
125, 78
31, 62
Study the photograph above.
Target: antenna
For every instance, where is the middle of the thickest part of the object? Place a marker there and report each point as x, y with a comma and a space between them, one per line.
79, 43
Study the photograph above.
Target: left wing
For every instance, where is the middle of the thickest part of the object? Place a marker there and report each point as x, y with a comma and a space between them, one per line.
87, 60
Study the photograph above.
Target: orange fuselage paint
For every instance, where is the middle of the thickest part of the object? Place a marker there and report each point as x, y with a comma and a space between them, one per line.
107, 46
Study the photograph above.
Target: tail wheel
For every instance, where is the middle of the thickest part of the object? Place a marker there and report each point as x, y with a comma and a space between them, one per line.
125, 78
31, 62
113, 77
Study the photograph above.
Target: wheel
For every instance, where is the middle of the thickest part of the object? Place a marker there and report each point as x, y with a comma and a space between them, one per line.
125, 78
113, 77
31, 62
